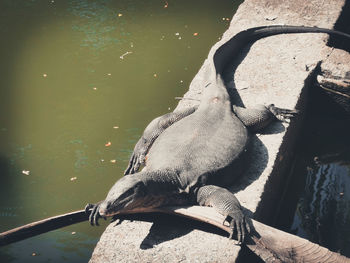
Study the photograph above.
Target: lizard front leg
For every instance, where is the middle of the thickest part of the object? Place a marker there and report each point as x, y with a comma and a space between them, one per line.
151, 133
226, 204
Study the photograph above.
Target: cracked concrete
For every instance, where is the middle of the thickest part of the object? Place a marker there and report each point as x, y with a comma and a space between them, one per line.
275, 70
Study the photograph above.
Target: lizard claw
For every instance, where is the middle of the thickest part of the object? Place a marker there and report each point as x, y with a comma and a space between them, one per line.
94, 215
130, 165
88, 207
282, 114
135, 162
138, 156
238, 224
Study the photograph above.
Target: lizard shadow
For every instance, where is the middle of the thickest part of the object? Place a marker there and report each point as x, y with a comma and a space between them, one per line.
256, 164
165, 228
259, 156
170, 227
229, 77
234, 91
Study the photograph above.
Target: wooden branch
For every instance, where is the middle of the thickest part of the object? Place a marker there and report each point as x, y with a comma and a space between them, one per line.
269, 243
42, 226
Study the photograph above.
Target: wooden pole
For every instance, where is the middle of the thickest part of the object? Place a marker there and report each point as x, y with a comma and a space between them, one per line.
42, 226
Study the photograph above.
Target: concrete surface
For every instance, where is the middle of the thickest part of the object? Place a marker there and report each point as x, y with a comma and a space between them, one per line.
274, 71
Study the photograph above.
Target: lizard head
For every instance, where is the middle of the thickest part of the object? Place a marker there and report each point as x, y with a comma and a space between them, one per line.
128, 193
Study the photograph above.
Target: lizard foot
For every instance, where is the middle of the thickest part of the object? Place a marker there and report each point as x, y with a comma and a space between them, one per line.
134, 164
238, 224
282, 114
138, 156
94, 215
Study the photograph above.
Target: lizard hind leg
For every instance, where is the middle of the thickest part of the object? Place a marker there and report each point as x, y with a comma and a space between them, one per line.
150, 134
259, 117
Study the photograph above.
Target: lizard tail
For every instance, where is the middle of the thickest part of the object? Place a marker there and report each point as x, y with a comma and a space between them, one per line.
231, 49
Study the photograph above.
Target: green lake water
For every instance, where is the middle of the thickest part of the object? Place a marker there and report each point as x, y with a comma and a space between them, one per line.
79, 81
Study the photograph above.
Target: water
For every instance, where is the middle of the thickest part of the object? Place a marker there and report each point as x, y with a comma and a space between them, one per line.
79, 82
323, 211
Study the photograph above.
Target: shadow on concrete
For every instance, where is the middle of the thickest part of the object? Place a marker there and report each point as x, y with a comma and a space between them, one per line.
166, 227
256, 164
229, 76
274, 128
165, 230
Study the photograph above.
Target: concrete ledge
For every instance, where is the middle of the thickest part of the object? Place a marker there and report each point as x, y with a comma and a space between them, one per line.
274, 71
335, 78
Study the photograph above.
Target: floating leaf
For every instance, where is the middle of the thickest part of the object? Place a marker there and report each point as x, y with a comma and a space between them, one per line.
126, 53
26, 172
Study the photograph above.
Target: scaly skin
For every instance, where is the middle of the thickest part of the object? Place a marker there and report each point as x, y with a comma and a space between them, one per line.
190, 156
